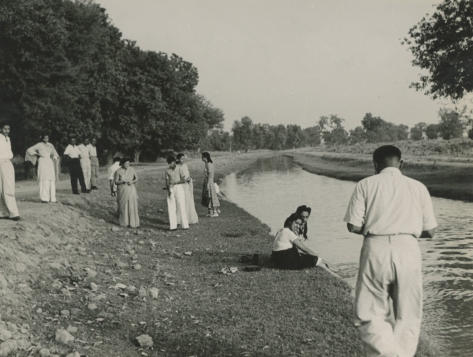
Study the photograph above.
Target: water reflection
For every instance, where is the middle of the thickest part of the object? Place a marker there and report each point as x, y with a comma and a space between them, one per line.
271, 189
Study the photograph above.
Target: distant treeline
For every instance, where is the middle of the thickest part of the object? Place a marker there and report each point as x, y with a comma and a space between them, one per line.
330, 130
66, 70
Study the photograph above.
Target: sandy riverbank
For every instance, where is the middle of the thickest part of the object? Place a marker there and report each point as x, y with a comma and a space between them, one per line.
443, 178
68, 265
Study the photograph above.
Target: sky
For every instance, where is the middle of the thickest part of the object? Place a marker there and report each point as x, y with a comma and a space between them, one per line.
290, 61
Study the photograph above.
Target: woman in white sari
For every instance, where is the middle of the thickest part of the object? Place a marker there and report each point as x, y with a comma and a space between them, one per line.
188, 191
47, 168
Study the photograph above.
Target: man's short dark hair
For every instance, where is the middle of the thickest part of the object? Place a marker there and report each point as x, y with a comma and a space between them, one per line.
117, 159
171, 159
385, 153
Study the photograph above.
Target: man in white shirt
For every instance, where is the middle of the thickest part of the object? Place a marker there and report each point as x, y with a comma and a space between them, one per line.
75, 171
94, 164
391, 211
111, 178
85, 162
8, 207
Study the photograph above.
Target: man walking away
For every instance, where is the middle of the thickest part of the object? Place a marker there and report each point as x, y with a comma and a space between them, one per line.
391, 211
85, 162
111, 178
94, 164
8, 207
73, 155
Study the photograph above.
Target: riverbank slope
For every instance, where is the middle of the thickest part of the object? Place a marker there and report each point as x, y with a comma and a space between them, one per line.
443, 178
69, 266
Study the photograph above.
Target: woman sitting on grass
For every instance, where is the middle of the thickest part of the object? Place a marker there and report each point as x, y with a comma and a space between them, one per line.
290, 251
304, 212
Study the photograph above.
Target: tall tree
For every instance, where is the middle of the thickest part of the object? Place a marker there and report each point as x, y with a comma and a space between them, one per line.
451, 124
418, 130
332, 129
442, 45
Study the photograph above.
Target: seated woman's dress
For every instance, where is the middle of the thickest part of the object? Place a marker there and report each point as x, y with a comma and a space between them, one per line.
285, 254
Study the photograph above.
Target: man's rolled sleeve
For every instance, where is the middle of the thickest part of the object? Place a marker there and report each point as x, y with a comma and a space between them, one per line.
356, 207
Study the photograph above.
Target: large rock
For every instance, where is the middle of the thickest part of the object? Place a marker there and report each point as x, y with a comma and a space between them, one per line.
144, 341
64, 337
7, 348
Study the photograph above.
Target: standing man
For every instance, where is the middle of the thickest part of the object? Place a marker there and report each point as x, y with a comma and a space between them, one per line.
8, 207
391, 211
111, 179
73, 154
94, 164
176, 197
85, 162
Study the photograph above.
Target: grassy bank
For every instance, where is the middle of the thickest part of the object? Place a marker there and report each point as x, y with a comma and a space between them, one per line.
70, 266
443, 179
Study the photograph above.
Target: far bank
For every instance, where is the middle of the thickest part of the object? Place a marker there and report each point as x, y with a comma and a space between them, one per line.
443, 179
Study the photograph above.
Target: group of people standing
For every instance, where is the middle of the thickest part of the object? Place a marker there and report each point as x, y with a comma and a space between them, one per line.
178, 184
180, 191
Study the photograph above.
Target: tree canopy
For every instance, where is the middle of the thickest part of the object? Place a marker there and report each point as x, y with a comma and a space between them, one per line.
66, 70
442, 45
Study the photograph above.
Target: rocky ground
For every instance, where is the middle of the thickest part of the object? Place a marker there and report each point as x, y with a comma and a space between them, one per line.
73, 283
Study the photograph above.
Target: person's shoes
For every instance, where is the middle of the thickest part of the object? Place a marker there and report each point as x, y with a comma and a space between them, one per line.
44, 201
94, 188
214, 215
16, 218
88, 191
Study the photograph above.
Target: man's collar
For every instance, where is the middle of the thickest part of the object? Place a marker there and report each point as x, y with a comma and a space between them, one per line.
390, 169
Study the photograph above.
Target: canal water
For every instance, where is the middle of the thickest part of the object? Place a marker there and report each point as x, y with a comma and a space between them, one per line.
271, 189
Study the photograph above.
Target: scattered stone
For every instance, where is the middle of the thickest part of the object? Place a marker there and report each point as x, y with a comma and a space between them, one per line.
143, 292
93, 286
63, 337
72, 329
115, 229
39, 310
3, 282
154, 292
65, 313
75, 311
144, 341
188, 253
92, 306
7, 348
137, 266
73, 354
121, 264
4, 334
56, 284
229, 270
44, 352
131, 289
90, 273
20, 267
120, 286
55, 265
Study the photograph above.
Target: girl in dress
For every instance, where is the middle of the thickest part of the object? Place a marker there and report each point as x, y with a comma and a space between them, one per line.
209, 195
188, 191
125, 178
47, 168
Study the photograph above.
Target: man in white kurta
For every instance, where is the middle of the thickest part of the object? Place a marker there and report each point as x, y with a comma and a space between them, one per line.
176, 198
47, 159
94, 164
85, 162
391, 211
8, 207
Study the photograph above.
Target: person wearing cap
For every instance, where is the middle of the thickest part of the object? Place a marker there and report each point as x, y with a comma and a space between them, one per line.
391, 211
8, 207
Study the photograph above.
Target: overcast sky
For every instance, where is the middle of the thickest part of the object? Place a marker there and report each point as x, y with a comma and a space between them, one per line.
289, 61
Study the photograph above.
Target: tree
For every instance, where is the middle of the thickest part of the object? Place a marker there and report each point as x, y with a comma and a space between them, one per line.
418, 130
242, 133
378, 130
357, 135
450, 126
432, 131
312, 135
332, 129
442, 45
295, 137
